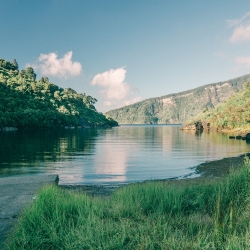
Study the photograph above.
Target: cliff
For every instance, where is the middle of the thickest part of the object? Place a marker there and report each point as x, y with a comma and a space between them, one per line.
179, 107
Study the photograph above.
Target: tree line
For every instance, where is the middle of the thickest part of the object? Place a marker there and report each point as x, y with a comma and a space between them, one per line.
27, 102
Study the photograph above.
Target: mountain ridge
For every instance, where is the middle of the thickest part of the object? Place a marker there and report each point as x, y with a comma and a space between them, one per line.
178, 107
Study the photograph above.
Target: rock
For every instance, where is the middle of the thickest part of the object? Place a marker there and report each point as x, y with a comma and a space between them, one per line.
248, 136
231, 137
198, 125
238, 137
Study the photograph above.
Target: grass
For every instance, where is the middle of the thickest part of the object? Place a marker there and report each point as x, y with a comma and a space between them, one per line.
154, 215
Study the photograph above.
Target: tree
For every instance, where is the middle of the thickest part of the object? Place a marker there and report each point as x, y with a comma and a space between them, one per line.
22, 73
89, 100
44, 79
15, 64
30, 73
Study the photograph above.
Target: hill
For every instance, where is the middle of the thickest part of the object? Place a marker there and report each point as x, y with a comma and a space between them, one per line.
26, 102
232, 114
179, 107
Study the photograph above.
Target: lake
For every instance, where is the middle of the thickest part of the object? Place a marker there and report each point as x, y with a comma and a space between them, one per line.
113, 156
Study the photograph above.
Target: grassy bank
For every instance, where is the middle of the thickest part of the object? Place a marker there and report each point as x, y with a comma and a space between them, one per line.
153, 215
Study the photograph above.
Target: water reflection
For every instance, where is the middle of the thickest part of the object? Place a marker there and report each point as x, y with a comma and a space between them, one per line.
29, 151
122, 154
110, 163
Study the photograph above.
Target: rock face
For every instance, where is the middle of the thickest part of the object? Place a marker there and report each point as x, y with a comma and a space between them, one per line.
180, 107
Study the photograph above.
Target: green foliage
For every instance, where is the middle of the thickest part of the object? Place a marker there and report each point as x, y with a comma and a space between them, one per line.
233, 113
25, 102
180, 107
153, 215
8, 65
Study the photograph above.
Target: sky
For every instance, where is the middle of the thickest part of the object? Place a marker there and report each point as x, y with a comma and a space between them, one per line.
125, 51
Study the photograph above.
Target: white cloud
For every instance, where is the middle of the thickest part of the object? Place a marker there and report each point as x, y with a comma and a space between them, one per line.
243, 62
241, 32
107, 103
238, 21
115, 90
50, 65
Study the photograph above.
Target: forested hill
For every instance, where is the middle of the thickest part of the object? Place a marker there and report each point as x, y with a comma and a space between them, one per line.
26, 102
234, 113
179, 107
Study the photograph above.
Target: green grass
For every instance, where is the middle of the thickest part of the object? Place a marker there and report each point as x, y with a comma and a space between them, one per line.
153, 215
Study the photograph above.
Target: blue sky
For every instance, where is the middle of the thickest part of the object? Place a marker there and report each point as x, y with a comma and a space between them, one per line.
125, 51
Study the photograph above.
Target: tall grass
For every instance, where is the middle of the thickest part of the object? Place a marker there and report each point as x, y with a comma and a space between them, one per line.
154, 215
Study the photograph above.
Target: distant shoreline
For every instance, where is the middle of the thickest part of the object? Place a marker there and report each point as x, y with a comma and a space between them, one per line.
145, 124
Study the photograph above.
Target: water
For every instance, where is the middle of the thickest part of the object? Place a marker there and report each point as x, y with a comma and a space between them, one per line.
108, 156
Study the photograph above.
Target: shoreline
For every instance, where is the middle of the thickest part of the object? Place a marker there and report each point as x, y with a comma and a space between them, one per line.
207, 171
210, 169
199, 126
